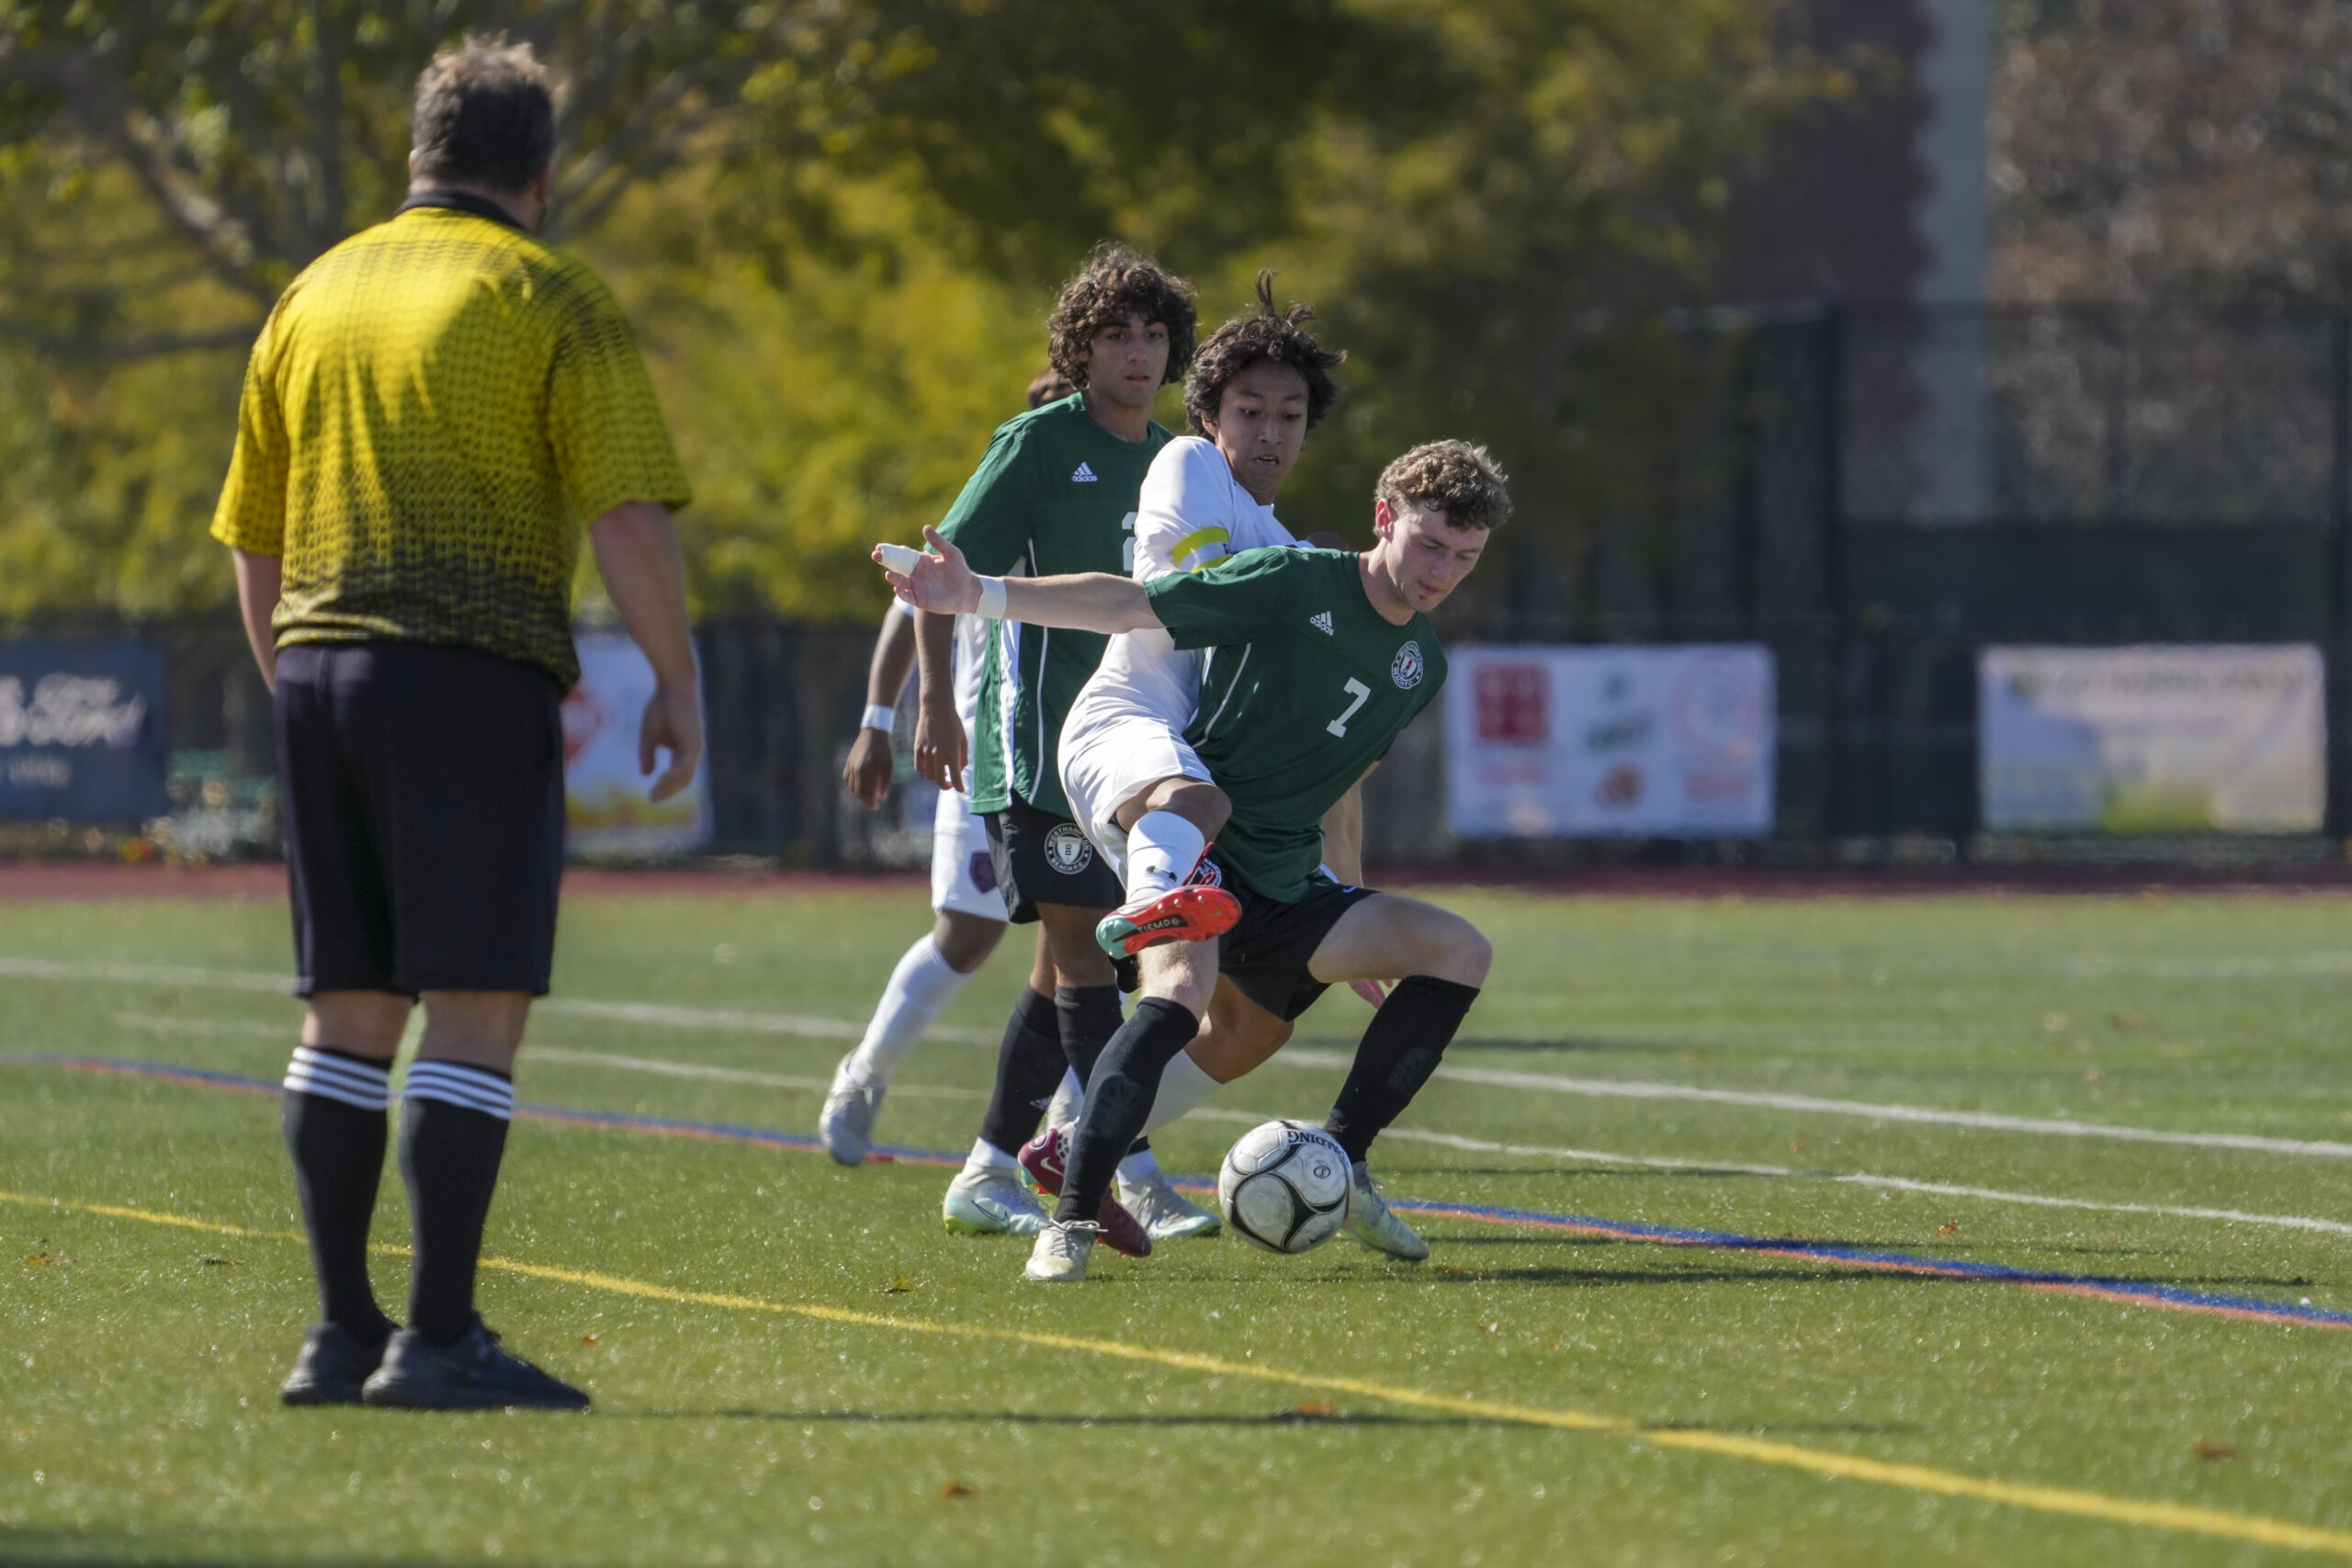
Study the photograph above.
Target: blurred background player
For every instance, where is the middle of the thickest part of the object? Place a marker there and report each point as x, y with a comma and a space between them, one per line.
433, 409
1056, 493
1322, 659
969, 906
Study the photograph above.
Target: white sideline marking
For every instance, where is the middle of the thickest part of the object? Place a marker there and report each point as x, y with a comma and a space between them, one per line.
2046, 1126
677, 1017
725, 1075
1863, 1178
1298, 1056
1393, 1134
238, 1029
660, 1013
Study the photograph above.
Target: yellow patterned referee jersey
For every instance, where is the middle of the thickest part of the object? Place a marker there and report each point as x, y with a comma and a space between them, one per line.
435, 410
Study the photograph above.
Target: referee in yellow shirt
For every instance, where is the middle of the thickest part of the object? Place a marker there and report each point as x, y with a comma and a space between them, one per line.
435, 409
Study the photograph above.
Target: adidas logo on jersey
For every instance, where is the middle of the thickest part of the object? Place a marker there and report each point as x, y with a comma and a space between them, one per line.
1085, 476
1322, 623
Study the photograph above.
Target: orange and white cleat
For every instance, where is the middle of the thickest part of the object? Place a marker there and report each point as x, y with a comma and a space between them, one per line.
1194, 913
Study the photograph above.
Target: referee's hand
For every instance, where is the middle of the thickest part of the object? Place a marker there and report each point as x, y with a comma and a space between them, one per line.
672, 722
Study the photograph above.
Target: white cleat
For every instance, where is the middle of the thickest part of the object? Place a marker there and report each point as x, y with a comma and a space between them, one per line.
1370, 1224
1165, 1212
1061, 1253
990, 1202
846, 1124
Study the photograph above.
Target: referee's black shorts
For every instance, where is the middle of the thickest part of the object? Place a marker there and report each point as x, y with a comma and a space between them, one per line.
422, 788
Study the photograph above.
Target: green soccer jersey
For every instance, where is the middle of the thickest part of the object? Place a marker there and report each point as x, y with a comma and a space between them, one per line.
1306, 688
1055, 494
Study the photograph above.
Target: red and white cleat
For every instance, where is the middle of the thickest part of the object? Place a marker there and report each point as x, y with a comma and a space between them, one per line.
1045, 1158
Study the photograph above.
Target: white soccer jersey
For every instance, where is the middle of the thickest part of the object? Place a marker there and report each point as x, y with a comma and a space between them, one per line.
1192, 512
1126, 729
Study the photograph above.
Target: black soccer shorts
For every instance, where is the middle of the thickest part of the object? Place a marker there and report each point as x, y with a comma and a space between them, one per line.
1044, 859
422, 788
1266, 953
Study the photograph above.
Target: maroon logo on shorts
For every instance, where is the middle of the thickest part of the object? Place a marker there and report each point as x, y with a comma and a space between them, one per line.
1206, 875
984, 870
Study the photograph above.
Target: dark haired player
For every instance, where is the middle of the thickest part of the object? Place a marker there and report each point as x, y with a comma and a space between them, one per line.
1258, 385
967, 908
1320, 659
1055, 493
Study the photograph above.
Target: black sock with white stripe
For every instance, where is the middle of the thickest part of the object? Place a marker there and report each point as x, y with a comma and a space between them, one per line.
453, 1132
335, 1124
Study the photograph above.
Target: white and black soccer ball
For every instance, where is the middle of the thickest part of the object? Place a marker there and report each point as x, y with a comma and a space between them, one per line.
1285, 1186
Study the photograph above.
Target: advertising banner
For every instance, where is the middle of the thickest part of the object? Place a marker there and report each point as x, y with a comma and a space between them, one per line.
606, 808
83, 731
2217, 738
1582, 742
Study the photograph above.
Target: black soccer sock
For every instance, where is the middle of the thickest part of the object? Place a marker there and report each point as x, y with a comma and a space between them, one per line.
453, 1132
1400, 1052
1088, 1015
1028, 1068
1118, 1100
335, 1132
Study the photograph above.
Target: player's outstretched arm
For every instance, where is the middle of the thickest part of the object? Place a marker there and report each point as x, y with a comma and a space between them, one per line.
941, 582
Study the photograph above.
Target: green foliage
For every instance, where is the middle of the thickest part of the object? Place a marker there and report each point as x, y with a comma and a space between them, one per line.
839, 228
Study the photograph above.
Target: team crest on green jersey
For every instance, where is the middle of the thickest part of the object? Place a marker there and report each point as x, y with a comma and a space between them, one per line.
1405, 668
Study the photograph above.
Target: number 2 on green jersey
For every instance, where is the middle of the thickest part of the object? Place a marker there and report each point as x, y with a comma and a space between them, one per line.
1362, 694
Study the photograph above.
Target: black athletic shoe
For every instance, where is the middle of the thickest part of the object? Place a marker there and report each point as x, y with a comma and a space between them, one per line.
333, 1363
470, 1373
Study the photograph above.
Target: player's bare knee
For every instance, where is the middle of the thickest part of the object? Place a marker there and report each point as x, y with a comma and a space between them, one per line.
1462, 954
1475, 955
965, 940
1202, 804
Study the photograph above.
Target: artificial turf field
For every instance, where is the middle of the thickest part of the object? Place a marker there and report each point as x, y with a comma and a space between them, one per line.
791, 1362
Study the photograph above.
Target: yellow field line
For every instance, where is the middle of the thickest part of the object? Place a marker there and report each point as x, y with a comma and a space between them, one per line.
1846, 1467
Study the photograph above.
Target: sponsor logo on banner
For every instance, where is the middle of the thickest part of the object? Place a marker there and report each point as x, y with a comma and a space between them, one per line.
607, 805
82, 732
1514, 702
1587, 742
1066, 850
1406, 669
2161, 738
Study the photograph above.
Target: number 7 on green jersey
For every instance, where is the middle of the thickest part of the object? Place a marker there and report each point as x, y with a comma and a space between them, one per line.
1362, 694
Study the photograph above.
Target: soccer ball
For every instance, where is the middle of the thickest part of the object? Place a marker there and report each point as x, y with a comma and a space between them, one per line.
1285, 1186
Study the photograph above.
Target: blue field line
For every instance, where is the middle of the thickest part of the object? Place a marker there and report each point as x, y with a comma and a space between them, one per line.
2134, 1292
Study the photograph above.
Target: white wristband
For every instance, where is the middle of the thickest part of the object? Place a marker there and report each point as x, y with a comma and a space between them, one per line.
991, 599
880, 715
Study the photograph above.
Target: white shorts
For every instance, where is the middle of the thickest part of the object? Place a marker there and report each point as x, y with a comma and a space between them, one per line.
1109, 760
963, 873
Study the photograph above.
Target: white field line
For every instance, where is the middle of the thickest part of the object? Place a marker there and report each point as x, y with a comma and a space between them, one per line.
238, 1029
2318, 965
665, 1015
1393, 1134
1298, 1056
2043, 1126
724, 1075
1863, 1178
